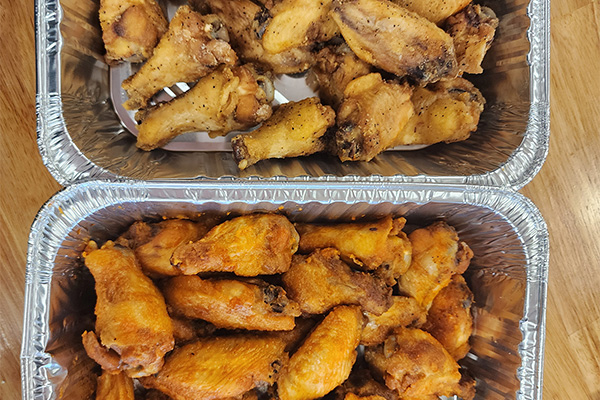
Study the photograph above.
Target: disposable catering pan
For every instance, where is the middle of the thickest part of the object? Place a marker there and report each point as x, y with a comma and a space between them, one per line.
508, 274
82, 137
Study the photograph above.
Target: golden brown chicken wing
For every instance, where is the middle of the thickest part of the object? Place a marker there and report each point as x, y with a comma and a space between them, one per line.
321, 281
379, 245
193, 46
362, 385
437, 255
404, 312
371, 116
220, 367
250, 245
130, 29
132, 323
435, 11
231, 304
295, 129
326, 357
395, 39
449, 319
226, 100
114, 387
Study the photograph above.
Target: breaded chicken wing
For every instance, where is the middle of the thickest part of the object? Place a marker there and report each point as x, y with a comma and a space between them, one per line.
435, 11
449, 319
250, 245
228, 99
220, 367
396, 40
437, 255
132, 323
193, 46
114, 387
321, 281
404, 312
131, 29
326, 357
295, 129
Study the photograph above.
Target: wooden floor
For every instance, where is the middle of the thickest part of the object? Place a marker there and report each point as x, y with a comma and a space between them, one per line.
567, 191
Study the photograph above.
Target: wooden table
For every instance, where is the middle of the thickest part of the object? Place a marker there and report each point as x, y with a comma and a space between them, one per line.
567, 191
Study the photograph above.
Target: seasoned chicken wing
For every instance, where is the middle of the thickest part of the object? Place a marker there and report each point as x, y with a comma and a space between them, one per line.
437, 255
473, 31
326, 357
371, 117
228, 99
321, 281
449, 319
220, 367
231, 304
404, 312
395, 39
132, 323
193, 46
295, 129
114, 387
362, 385
130, 29
435, 11
250, 245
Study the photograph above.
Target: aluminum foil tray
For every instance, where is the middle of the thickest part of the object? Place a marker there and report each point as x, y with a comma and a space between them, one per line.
82, 137
508, 274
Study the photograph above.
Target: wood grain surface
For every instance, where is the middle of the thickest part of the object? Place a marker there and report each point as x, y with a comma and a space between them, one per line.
567, 191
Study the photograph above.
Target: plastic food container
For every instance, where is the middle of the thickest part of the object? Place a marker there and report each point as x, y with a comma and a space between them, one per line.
508, 274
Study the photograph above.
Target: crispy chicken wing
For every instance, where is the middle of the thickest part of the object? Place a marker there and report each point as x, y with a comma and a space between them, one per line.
132, 323
404, 312
131, 29
449, 319
295, 129
250, 245
362, 385
321, 281
435, 11
220, 367
114, 387
326, 357
193, 46
395, 39
228, 99
437, 255
371, 117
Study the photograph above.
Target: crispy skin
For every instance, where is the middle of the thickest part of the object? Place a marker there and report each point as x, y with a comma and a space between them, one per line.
321, 281
193, 46
296, 336
295, 129
435, 11
114, 387
473, 31
449, 319
250, 245
379, 245
437, 255
326, 357
231, 304
215, 368
412, 362
362, 385
396, 40
130, 29
404, 312
226, 100
131, 315
371, 117
446, 111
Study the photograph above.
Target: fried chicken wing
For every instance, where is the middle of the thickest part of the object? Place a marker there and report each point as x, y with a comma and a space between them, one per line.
435, 11
396, 40
371, 116
449, 319
379, 245
220, 367
132, 323
114, 387
321, 281
130, 29
437, 255
250, 245
362, 385
228, 99
187, 330
326, 357
231, 304
295, 129
473, 31
404, 312
193, 46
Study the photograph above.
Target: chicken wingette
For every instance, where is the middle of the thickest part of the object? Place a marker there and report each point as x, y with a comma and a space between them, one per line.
404, 312
114, 387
